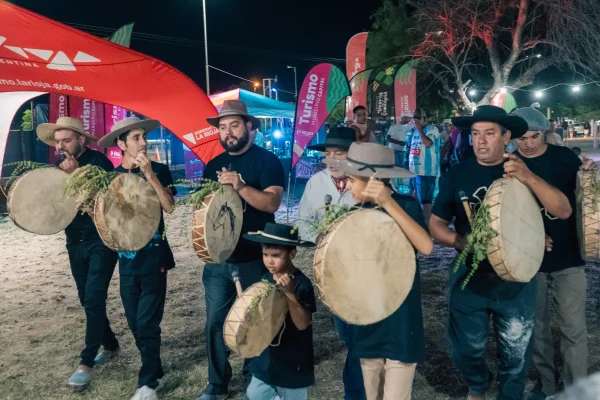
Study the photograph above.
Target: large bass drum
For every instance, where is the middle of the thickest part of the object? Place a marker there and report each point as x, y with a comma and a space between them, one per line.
217, 225
588, 215
516, 253
36, 202
127, 215
364, 267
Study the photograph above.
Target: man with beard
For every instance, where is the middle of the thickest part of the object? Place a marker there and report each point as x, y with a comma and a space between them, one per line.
324, 189
92, 263
562, 274
258, 177
510, 305
144, 273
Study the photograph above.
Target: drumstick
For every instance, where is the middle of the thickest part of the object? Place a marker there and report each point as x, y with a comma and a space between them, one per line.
236, 279
465, 203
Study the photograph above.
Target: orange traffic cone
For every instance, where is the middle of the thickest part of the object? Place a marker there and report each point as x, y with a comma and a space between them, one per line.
157, 158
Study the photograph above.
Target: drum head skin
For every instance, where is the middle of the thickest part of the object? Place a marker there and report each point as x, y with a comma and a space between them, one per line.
588, 216
127, 215
364, 267
248, 333
217, 225
517, 252
36, 202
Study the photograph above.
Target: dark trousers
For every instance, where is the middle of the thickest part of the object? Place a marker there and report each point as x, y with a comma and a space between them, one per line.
92, 266
354, 387
512, 309
143, 298
220, 295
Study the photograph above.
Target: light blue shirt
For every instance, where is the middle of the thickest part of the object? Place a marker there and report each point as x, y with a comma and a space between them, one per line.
423, 160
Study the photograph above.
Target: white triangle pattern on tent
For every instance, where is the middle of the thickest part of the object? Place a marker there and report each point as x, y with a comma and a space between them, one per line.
61, 62
82, 57
43, 54
17, 50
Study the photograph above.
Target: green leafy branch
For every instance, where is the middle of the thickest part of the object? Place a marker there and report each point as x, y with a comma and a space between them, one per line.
256, 303
205, 188
87, 183
21, 168
477, 242
332, 214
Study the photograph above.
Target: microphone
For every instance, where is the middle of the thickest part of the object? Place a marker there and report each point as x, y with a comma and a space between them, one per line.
465, 202
62, 157
236, 280
328, 199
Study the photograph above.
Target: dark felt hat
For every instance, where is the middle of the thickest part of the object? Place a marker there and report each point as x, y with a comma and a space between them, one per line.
515, 124
278, 234
340, 138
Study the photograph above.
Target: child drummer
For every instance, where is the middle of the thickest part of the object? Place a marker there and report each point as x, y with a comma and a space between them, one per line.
392, 348
287, 368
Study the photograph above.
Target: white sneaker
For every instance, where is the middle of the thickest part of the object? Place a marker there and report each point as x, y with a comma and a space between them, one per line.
145, 393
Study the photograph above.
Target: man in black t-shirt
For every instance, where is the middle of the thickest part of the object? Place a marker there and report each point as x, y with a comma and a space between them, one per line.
92, 263
144, 273
257, 176
563, 269
510, 304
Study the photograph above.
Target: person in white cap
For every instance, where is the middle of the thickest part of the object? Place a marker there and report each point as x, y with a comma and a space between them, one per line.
92, 263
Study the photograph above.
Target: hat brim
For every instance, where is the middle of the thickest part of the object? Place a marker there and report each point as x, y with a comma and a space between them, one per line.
516, 125
214, 121
350, 168
258, 238
45, 132
110, 140
333, 143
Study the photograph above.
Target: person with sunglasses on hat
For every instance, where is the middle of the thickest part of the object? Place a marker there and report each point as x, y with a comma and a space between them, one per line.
143, 274
257, 176
423, 158
511, 305
392, 348
563, 270
326, 189
92, 263
287, 368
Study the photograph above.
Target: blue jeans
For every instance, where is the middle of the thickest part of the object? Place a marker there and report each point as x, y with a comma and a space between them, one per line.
220, 294
258, 390
511, 306
354, 387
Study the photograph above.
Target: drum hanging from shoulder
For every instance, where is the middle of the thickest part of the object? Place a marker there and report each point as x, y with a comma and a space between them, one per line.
516, 253
36, 203
217, 225
127, 215
588, 215
255, 319
364, 267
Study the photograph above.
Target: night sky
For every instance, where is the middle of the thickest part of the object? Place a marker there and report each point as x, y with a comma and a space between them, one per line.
307, 29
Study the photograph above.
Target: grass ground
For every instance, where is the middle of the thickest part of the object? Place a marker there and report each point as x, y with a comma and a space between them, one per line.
42, 328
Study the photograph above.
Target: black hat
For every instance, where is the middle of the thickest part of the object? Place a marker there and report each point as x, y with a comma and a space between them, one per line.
516, 125
340, 138
278, 234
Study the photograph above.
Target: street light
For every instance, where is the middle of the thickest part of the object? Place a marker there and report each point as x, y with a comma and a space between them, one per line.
295, 81
256, 85
206, 47
503, 90
472, 92
576, 88
539, 94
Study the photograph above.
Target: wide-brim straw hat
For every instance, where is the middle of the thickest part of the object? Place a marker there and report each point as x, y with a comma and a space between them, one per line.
515, 124
232, 108
126, 125
370, 159
45, 132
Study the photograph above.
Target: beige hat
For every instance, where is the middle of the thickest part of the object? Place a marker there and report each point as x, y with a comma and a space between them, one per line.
234, 107
368, 159
127, 125
46, 131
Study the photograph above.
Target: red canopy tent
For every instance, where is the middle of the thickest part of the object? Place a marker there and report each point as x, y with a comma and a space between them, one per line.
42, 55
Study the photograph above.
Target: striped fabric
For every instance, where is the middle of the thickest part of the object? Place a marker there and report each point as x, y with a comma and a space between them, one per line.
122, 35
423, 160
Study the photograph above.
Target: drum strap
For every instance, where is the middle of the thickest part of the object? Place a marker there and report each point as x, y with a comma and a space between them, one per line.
280, 335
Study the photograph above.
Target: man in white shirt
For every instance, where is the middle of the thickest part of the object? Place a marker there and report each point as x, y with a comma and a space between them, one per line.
396, 137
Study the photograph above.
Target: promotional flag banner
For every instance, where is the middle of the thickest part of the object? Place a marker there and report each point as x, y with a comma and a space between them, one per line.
405, 90
39, 54
356, 62
123, 35
112, 115
359, 86
91, 115
59, 107
323, 88
505, 101
382, 98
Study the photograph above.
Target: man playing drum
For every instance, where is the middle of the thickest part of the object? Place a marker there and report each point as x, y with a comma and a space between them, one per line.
563, 269
92, 263
323, 189
510, 304
143, 273
257, 176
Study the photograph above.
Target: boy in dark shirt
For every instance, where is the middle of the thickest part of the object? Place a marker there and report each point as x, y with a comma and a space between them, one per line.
92, 263
144, 273
286, 369
389, 349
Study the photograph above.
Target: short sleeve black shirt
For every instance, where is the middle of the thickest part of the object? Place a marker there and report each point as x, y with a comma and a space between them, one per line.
260, 169
157, 254
290, 364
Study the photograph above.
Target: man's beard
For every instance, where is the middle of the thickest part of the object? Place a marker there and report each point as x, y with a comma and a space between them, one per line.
241, 143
